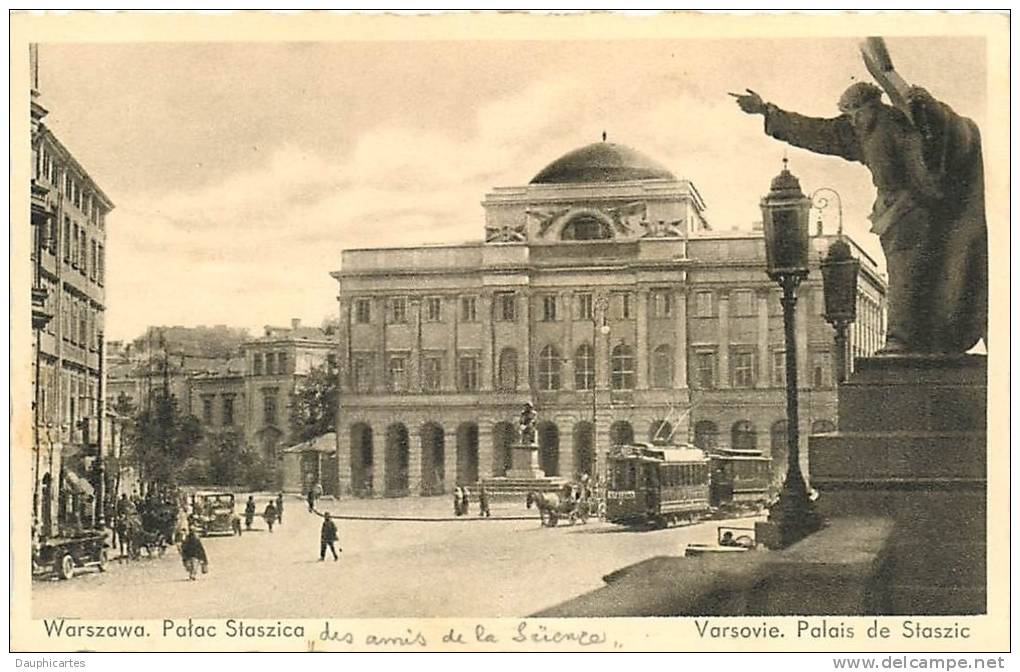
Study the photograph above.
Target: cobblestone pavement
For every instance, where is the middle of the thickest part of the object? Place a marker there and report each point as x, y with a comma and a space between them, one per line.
388, 568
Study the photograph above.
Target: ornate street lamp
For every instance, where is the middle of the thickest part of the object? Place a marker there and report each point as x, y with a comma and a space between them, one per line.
785, 213
839, 283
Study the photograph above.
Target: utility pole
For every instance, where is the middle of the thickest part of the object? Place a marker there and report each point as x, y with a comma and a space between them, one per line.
101, 411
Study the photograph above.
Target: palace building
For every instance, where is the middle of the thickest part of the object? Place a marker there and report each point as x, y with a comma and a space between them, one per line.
601, 294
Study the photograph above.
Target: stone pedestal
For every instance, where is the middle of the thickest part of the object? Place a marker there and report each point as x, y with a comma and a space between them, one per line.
911, 446
525, 462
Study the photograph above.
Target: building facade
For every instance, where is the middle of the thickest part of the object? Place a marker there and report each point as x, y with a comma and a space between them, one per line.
602, 295
275, 364
68, 256
249, 393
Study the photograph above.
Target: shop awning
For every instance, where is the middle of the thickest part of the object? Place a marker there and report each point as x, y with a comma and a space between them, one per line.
77, 484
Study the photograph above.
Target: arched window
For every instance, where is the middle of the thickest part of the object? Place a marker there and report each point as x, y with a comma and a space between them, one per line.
586, 227
623, 367
621, 433
549, 368
777, 438
507, 380
706, 434
584, 367
743, 437
662, 367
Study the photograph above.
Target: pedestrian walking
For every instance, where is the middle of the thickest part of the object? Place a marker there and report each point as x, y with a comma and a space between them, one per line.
249, 512
279, 508
465, 502
311, 500
270, 515
483, 501
458, 496
193, 555
328, 537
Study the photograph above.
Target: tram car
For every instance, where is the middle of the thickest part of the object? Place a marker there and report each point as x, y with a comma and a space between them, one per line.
740, 480
662, 485
657, 485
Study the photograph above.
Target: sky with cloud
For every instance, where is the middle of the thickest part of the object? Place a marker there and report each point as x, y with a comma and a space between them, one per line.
241, 170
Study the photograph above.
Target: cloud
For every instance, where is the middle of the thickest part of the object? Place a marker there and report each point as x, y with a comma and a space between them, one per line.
256, 246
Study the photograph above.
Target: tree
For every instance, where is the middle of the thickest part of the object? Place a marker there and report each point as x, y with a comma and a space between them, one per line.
162, 439
313, 412
331, 325
230, 462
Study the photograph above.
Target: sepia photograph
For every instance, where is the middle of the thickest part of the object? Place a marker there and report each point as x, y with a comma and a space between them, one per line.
509, 332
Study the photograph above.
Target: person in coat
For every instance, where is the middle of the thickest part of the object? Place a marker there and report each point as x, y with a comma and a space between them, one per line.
193, 555
328, 537
483, 501
465, 501
279, 508
249, 513
270, 515
458, 495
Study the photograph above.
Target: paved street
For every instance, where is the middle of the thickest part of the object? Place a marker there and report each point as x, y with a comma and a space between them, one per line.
447, 568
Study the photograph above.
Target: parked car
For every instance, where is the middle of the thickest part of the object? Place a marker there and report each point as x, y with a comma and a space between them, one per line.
213, 513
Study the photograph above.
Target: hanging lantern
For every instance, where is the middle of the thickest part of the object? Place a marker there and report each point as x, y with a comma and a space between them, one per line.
839, 283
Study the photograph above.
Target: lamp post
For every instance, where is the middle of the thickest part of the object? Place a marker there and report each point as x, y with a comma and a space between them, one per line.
599, 308
839, 283
785, 215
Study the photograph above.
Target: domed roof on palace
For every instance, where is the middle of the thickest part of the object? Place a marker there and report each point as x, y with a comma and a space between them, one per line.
602, 162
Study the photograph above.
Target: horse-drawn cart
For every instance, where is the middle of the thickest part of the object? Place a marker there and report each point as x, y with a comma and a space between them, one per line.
551, 508
62, 555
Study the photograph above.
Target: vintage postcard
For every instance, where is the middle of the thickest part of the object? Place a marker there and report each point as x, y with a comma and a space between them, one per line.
509, 332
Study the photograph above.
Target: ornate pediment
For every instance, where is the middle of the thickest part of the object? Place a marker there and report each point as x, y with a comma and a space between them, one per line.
663, 229
514, 233
589, 222
545, 218
627, 219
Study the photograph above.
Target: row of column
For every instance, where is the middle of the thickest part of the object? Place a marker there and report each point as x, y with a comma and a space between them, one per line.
418, 444
763, 345
490, 346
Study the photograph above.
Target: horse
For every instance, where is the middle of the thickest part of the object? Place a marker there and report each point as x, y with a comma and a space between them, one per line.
549, 507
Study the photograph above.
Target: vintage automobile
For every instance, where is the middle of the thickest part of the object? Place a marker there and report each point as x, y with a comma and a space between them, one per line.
62, 555
213, 513
729, 539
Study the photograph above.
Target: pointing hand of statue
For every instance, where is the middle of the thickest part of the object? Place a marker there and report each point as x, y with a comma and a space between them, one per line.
750, 102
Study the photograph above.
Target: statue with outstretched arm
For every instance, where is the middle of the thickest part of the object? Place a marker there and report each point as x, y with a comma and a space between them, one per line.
928, 213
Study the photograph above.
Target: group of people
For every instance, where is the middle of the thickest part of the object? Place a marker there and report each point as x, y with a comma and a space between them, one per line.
462, 501
272, 514
193, 553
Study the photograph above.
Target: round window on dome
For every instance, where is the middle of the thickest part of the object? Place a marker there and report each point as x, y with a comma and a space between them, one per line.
586, 227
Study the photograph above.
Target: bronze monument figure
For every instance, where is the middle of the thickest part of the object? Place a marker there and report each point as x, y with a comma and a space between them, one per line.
925, 162
528, 417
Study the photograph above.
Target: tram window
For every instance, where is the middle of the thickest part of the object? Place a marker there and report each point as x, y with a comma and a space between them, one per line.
624, 476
